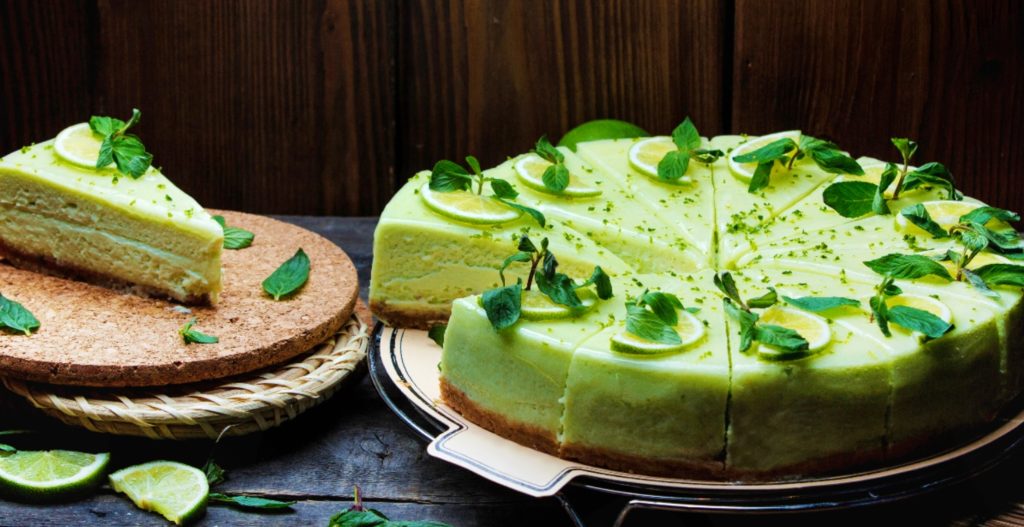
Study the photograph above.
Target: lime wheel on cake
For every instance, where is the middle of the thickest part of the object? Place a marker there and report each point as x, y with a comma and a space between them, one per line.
732, 308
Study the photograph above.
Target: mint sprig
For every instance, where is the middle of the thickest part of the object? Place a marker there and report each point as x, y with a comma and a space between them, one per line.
903, 266
449, 176
817, 304
289, 277
125, 150
556, 176
786, 151
676, 162
787, 343
216, 475
653, 316
359, 516
14, 317
194, 336
907, 266
234, 237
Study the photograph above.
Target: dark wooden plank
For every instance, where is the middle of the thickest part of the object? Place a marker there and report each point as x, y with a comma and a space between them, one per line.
47, 66
949, 74
488, 78
274, 106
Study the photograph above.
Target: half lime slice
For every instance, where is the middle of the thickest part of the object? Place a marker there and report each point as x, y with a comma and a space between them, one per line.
77, 144
690, 330
51, 474
467, 206
645, 155
174, 490
530, 170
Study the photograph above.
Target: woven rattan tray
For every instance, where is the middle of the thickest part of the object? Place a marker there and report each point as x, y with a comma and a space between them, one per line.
236, 406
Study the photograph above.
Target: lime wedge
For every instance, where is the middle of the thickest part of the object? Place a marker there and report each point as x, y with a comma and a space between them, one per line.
530, 170
537, 305
48, 474
77, 144
745, 171
689, 328
945, 213
600, 129
176, 491
467, 206
811, 327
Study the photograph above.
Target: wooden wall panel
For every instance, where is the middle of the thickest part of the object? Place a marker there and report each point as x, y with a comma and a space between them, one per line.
488, 77
949, 74
46, 68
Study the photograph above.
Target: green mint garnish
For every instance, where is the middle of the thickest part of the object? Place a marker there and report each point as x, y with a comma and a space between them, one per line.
192, 336
919, 320
360, 516
909, 317
1001, 274
234, 238
687, 140
125, 150
14, 317
817, 304
788, 343
918, 215
556, 176
250, 502
449, 176
436, 334
851, 199
649, 325
786, 151
503, 305
907, 266
289, 277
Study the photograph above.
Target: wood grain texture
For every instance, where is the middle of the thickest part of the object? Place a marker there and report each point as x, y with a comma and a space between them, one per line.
46, 68
949, 74
488, 77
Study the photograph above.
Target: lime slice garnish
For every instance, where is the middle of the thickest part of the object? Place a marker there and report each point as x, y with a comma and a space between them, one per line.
689, 328
745, 171
77, 144
467, 206
600, 129
645, 155
537, 305
176, 491
530, 170
945, 213
811, 327
924, 303
48, 474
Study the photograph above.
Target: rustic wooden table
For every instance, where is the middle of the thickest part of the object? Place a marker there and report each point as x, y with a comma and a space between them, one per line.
354, 439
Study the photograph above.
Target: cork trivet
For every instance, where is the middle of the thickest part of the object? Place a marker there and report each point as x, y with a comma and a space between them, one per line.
94, 336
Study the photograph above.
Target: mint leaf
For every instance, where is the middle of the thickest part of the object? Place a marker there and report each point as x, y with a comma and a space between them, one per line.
918, 215
851, 199
648, 326
817, 304
14, 317
556, 177
725, 283
559, 288
474, 164
125, 150
768, 299
503, 305
879, 205
192, 336
520, 256
932, 174
772, 151
547, 151
250, 502
214, 473
436, 333
289, 277
762, 175
907, 266
534, 213
983, 215
747, 320
1003, 240
503, 189
372, 518
105, 125
448, 176
602, 282
906, 147
978, 283
880, 312
663, 305
673, 166
1001, 274
686, 137
234, 238
788, 342
828, 157
919, 320
526, 244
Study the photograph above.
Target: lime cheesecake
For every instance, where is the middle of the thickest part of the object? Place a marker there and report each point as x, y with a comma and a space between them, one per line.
62, 214
769, 309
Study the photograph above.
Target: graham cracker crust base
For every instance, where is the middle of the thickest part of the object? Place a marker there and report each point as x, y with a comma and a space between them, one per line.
403, 317
524, 434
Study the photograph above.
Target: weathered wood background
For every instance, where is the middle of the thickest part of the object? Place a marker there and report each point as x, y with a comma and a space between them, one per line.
325, 106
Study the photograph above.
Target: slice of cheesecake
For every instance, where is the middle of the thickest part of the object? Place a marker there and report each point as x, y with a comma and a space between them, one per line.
106, 227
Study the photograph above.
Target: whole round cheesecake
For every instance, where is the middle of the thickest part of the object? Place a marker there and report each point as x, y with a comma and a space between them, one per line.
776, 310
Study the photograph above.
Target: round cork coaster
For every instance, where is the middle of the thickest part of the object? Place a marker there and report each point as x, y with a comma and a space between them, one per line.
94, 336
